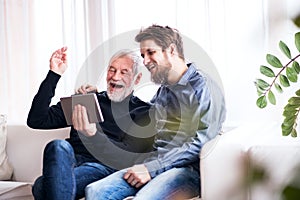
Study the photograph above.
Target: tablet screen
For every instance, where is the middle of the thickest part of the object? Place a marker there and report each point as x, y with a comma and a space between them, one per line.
89, 101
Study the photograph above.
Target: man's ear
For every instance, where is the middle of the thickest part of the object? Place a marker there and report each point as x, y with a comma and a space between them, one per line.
173, 49
138, 78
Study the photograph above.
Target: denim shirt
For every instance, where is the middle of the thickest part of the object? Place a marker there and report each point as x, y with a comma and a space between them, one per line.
188, 114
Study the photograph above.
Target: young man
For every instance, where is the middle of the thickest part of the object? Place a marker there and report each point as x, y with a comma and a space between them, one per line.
189, 111
69, 165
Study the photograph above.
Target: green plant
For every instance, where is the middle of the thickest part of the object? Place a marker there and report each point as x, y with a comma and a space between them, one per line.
281, 76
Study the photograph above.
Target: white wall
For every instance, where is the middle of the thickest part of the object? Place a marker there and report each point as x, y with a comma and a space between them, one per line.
235, 34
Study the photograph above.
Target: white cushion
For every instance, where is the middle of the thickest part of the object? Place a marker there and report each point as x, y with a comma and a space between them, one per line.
15, 190
226, 161
279, 165
6, 169
25, 147
221, 169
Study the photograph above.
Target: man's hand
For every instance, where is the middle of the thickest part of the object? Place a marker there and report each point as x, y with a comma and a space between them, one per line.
81, 122
84, 89
137, 176
58, 61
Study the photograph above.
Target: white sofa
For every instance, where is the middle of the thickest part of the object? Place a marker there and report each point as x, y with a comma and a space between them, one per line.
25, 149
250, 162
225, 162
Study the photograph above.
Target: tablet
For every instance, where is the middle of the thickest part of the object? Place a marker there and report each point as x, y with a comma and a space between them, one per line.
89, 101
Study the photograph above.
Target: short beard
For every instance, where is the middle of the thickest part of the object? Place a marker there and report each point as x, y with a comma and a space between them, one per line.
161, 77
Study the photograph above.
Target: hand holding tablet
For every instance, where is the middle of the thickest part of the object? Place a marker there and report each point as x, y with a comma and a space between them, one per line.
89, 101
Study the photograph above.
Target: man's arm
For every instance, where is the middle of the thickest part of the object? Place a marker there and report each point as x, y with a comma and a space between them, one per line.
209, 115
41, 116
109, 151
203, 120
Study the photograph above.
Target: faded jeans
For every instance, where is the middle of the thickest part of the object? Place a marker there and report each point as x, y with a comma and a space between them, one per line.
65, 175
176, 183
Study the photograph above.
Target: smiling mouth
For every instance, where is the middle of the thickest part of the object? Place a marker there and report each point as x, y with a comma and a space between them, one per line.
116, 86
150, 67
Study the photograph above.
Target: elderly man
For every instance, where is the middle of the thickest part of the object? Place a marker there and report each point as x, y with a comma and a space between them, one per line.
69, 165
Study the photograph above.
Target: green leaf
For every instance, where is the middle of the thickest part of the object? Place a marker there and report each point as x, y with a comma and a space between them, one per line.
274, 61
294, 101
261, 83
297, 41
284, 80
286, 129
267, 71
271, 97
285, 132
278, 88
290, 107
291, 74
290, 113
284, 48
260, 90
288, 123
294, 133
296, 67
296, 21
290, 120
297, 92
261, 102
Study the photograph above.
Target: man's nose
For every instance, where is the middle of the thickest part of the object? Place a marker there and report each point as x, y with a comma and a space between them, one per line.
117, 75
146, 60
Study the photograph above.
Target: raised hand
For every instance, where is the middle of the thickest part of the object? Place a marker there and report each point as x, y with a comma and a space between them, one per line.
58, 61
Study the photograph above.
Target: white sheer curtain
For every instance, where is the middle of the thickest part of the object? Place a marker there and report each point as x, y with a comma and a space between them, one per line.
235, 34
30, 30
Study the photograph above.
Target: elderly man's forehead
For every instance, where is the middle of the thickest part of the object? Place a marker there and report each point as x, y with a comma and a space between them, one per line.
123, 62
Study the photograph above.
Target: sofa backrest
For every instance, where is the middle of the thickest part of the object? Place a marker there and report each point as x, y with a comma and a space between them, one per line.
25, 148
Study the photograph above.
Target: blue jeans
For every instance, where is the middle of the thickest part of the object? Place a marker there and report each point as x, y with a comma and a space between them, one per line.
176, 183
65, 175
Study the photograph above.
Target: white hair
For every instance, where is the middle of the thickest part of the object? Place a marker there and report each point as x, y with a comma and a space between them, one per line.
133, 55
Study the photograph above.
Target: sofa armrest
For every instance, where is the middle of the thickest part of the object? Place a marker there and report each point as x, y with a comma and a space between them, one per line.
232, 164
25, 148
222, 169
276, 167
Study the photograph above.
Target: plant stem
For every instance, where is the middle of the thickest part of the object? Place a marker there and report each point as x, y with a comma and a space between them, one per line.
277, 75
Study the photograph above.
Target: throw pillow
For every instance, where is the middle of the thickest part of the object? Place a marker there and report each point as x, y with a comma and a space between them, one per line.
6, 169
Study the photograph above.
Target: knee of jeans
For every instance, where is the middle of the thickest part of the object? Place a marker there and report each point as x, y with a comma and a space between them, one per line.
37, 188
58, 146
89, 190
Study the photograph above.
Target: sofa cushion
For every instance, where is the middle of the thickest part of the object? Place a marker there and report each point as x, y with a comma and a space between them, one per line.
15, 190
222, 168
5, 167
271, 169
25, 148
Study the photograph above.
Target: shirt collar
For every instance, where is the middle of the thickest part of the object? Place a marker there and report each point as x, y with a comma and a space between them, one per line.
186, 76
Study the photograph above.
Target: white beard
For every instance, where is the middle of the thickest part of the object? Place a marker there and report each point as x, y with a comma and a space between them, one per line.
120, 95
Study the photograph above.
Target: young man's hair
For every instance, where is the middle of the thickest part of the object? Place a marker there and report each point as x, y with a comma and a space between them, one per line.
163, 36
133, 55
